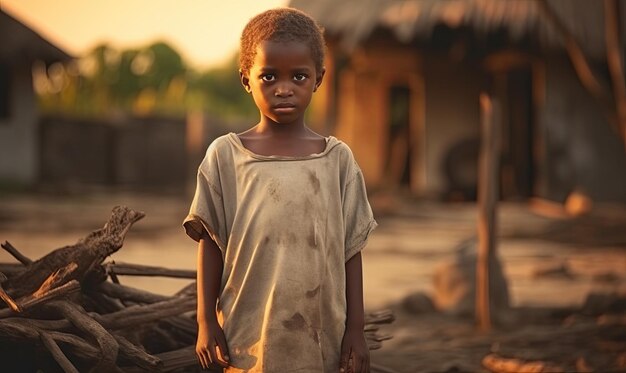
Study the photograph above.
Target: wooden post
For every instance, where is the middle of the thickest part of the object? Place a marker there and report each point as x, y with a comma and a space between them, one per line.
488, 171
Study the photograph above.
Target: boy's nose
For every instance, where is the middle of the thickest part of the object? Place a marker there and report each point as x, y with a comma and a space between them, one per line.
283, 90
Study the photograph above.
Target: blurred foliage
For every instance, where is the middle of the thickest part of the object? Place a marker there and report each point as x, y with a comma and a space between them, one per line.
153, 80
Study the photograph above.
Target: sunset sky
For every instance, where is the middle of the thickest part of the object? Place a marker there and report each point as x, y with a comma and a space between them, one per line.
203, 32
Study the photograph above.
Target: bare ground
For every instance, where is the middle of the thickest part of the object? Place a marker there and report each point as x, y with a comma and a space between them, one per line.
552, 266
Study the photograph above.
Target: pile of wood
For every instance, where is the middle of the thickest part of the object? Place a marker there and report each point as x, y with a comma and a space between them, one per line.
68, 311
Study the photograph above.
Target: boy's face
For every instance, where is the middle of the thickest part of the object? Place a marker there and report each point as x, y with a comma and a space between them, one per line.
282, 80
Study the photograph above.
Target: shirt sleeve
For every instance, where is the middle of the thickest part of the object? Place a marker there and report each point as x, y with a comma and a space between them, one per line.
207, 211
357, 213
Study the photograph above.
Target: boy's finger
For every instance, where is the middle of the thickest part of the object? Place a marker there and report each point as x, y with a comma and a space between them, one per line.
343, 362
357, 365
355, 362
211, 353
202, 358
219, 360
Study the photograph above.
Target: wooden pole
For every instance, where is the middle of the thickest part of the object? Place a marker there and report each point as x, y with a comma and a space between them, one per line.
488, 170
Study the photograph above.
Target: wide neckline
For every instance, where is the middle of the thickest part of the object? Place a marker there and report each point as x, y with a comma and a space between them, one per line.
331, 141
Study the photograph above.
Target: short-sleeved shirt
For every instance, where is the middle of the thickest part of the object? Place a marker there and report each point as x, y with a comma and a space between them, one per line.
286, 226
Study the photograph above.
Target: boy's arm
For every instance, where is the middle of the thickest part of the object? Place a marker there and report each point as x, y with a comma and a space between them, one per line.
210, 333
354, 350
354, 293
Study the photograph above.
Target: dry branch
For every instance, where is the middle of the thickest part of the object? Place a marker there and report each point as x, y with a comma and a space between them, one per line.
143, 270
86, 254
137, 355
130, 294
16, 253
79, 318
57, 354
38, 297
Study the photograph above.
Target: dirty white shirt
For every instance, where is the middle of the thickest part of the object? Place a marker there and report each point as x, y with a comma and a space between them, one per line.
285, 227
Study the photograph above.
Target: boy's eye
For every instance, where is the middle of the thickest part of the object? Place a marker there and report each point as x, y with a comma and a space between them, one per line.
268, 77
299, 77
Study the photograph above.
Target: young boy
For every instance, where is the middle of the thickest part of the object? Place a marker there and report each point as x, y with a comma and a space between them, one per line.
281, 215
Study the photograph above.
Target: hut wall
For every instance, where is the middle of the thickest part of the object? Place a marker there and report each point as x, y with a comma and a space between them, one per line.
360, 121
363, 105
321, 113
18, 131
581, 150
451, 115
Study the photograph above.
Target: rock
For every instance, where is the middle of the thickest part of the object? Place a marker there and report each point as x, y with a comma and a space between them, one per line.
598, 303
559, 271
608, 277
418, 303
455, 284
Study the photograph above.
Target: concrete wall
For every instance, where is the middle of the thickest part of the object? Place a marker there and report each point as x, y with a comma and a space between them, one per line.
18, 133
139, 153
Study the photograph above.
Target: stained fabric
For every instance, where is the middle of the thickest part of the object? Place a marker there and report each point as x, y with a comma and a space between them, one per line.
285, 227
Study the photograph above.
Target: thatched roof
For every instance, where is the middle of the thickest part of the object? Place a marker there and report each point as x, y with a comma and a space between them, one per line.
20, 43
353, 21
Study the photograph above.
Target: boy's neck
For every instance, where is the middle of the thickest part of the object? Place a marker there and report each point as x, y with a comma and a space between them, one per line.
271, 128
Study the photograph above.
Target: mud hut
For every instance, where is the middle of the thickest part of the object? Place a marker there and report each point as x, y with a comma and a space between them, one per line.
403, 80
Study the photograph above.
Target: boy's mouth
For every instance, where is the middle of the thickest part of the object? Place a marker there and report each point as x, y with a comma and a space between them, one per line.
284, 107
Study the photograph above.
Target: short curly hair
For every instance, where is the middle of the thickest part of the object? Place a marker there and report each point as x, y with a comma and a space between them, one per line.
282, 25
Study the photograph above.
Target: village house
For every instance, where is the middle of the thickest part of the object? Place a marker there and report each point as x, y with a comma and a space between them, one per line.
20, 48
402, 86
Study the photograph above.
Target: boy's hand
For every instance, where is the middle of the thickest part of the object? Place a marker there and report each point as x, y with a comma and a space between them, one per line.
211, 345
355, 355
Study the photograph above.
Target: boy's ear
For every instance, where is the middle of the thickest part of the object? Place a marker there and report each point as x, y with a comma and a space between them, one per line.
245, 81
318, 79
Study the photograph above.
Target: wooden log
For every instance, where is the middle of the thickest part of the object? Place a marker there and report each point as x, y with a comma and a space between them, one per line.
137, 315
25, 330
185, 324
173, 360
79, 318
38, 297
137, 355
11, 269
6, 297
130, 294
128, 317
190, 289
128, 269
57, 354
16, 253
101, 303
86, 254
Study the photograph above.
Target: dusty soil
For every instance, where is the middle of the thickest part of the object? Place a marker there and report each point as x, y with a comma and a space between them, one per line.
552, 266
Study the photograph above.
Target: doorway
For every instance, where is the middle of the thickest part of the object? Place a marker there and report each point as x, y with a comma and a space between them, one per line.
398, 164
